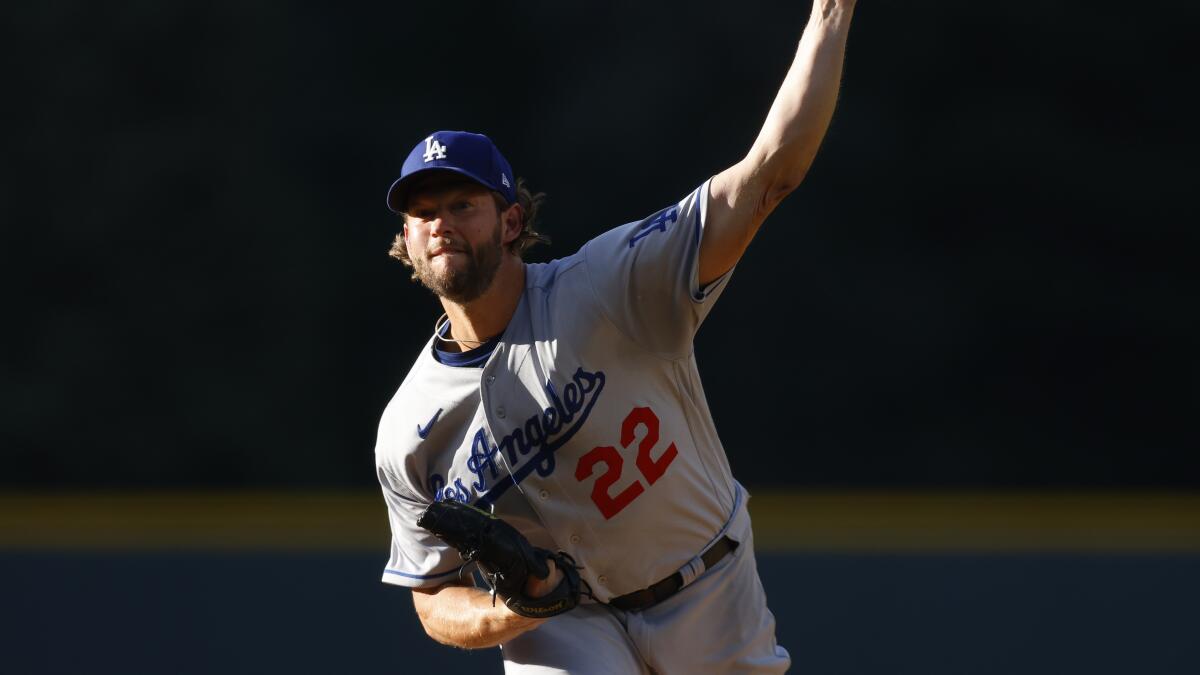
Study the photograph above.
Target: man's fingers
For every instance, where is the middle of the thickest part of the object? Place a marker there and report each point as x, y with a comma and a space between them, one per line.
536, 588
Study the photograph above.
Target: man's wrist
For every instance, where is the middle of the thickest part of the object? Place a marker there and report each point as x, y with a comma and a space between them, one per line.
832, 13
509, 623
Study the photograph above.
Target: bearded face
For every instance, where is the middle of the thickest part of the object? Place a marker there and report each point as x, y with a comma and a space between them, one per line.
455, 269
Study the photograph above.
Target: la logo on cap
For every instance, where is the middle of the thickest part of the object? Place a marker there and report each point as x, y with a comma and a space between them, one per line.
434, 149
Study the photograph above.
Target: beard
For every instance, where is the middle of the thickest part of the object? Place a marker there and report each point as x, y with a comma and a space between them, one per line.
462, 285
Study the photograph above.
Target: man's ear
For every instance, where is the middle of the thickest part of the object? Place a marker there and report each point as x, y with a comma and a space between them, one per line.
512, 219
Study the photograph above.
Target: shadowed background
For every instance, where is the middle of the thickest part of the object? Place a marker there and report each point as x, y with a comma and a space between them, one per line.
984, 287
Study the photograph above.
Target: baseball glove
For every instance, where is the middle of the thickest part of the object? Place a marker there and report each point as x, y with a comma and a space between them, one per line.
504, 556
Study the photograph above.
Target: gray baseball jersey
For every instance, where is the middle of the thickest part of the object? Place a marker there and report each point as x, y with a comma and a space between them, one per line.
586, 428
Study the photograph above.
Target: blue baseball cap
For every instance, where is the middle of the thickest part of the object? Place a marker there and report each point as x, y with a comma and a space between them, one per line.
472, 155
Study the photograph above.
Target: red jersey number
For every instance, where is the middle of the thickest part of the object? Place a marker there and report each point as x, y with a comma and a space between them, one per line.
650, 468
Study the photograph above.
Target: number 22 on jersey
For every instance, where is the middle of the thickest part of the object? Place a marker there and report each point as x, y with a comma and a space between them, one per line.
650, 468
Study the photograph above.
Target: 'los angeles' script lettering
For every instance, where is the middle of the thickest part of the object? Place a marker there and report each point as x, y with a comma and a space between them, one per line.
528, 447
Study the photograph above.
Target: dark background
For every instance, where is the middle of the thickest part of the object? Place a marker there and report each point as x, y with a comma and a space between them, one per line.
987, 279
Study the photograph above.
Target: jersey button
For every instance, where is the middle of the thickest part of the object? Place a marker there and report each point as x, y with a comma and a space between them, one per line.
544, 494
602, 579
500, 412
575, 539
491, 379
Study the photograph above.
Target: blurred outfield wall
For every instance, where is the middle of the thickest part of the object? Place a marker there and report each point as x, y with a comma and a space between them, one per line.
863, 582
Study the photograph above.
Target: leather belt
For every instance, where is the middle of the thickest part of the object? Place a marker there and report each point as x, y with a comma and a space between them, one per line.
661, 590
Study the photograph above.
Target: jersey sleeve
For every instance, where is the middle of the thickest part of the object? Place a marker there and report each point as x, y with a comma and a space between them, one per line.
645, 276
418, 559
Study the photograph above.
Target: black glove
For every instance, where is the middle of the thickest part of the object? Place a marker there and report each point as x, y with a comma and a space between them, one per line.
504, 556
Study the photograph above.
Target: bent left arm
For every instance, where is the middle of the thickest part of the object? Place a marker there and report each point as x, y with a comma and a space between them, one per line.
742, 196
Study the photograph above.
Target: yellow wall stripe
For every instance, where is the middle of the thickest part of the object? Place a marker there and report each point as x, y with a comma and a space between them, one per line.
895, 522
812, 521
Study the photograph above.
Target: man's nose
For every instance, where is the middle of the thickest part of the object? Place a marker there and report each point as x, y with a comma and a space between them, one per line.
439, 224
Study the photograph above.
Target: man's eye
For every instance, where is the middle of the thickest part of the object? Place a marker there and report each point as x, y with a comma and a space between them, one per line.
461, 206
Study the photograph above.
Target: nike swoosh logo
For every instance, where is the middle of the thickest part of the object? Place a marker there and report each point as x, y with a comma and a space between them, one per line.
423, 432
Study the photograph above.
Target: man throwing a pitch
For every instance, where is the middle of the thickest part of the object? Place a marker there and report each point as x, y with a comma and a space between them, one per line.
553, 435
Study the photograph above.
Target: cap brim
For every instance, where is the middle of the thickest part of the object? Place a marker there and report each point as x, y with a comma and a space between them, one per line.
398, 193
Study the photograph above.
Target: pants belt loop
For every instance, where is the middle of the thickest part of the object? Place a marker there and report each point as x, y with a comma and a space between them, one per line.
693, 569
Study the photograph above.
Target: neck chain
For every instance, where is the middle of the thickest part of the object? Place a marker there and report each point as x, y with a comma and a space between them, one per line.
437, 333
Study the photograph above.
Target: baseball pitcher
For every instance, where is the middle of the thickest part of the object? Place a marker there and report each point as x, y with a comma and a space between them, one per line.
554, 481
